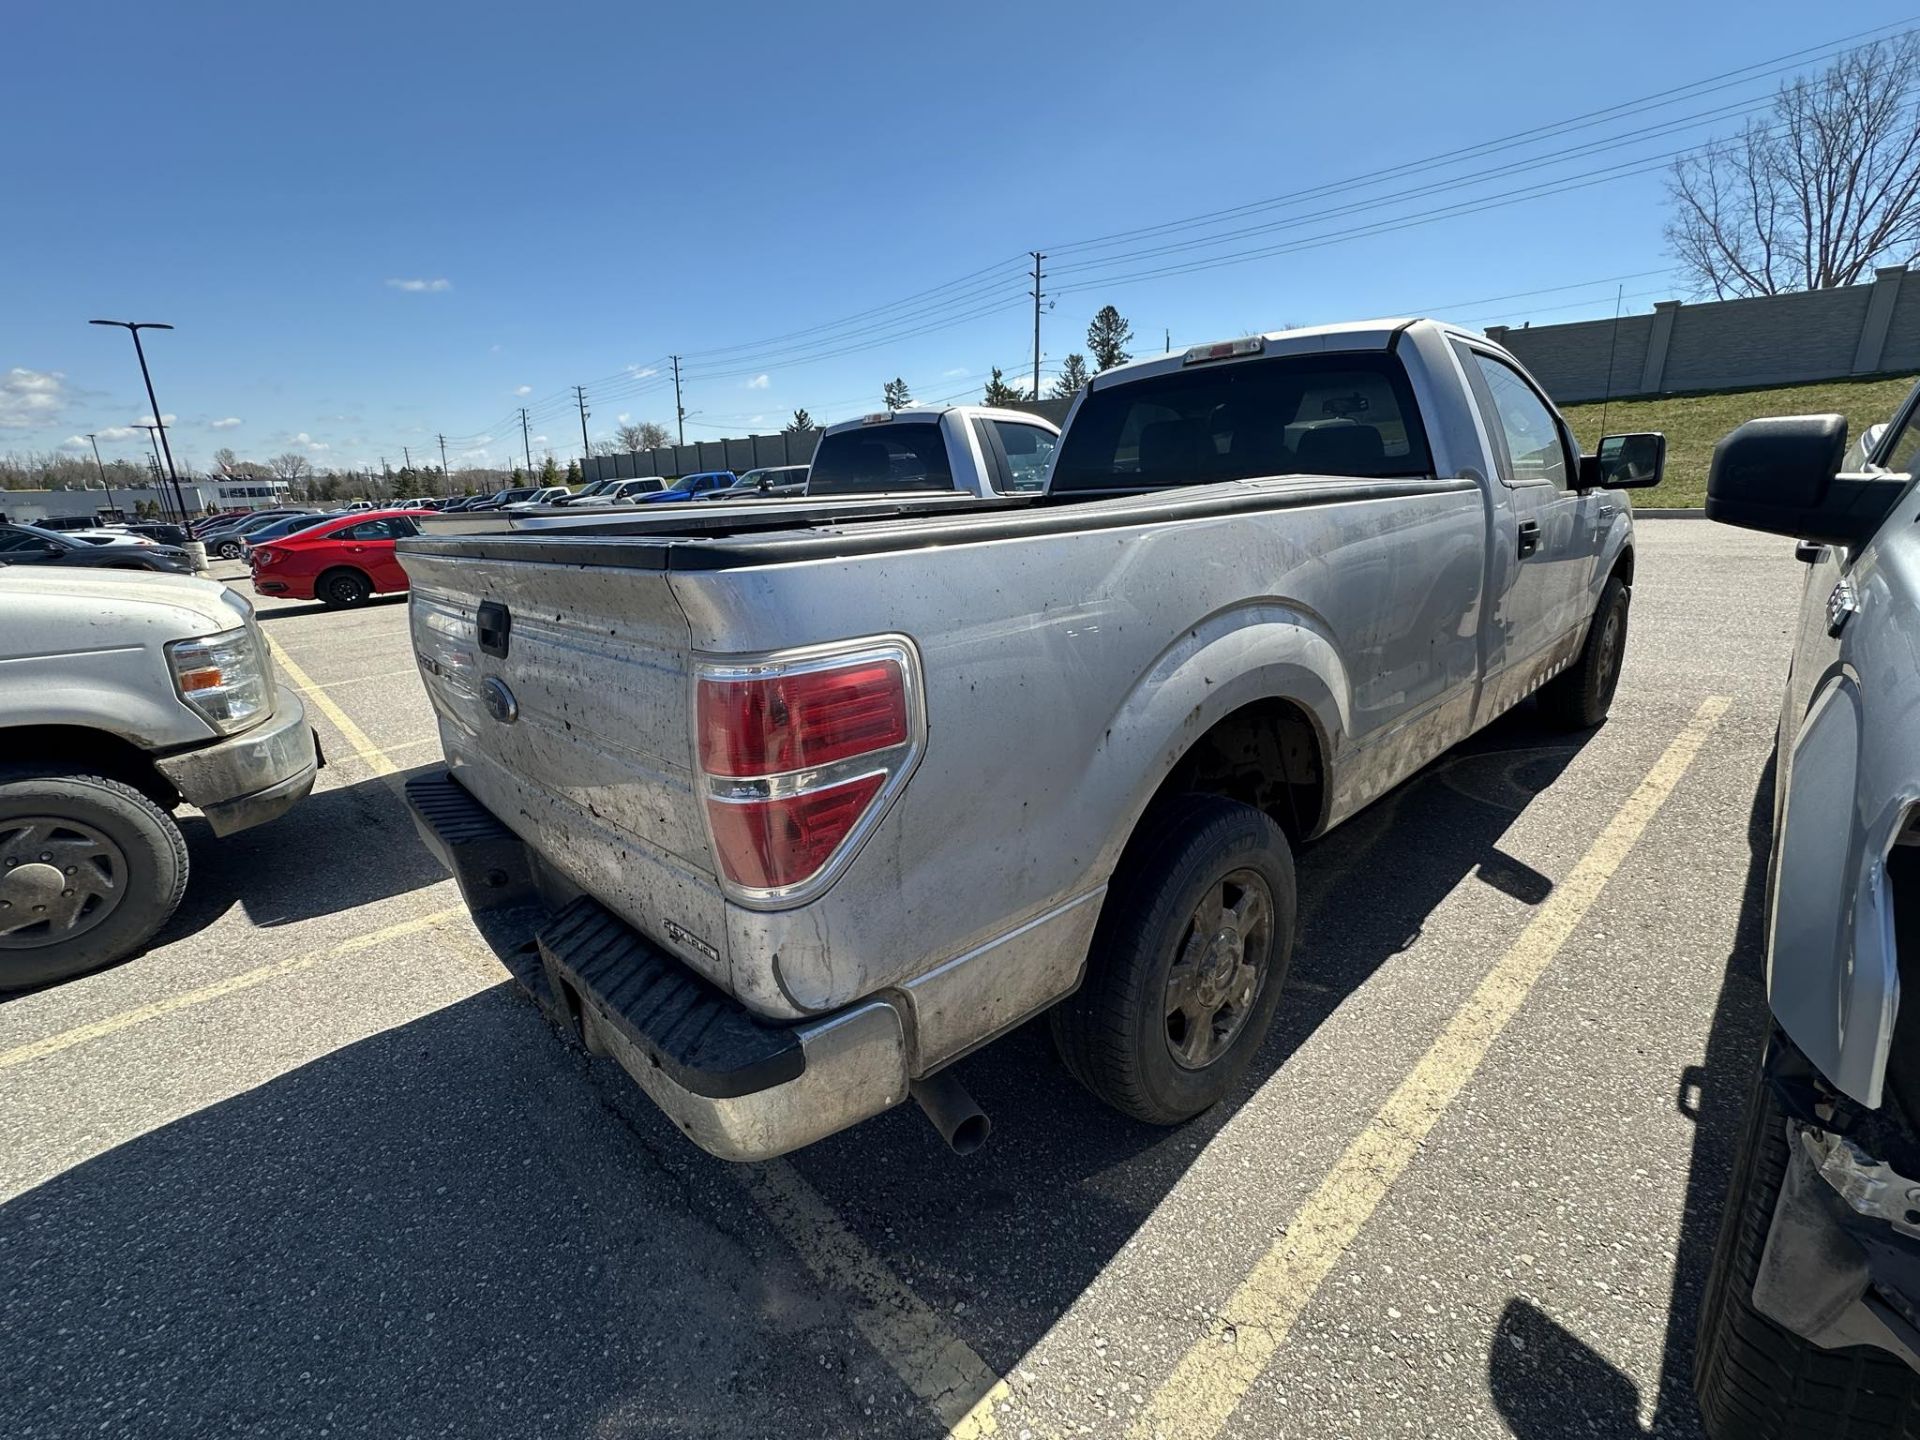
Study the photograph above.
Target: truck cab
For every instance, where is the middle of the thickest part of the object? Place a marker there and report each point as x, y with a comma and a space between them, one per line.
975, 449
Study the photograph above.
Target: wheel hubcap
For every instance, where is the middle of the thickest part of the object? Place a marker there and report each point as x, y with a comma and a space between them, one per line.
1219, 969
58, 879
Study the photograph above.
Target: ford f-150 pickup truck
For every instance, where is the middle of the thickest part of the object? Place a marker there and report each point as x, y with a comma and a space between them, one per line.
789, 811
123, 695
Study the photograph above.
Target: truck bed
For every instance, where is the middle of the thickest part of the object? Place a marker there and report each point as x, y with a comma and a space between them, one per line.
736, 537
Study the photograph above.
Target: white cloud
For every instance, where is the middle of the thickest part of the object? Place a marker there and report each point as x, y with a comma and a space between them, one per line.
318, 446
539, 440
116, 432
30, 398
163, 420
957, 372
641, 372
421, 287
759, 382
755, 419
74, 442
232, 422
523, 389
623, 418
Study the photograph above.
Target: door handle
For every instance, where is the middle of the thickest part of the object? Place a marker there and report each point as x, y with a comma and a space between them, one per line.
1529, 537
1809, 552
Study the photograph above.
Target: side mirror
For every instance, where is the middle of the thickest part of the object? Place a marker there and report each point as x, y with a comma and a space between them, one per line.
1781, 475
1625, 462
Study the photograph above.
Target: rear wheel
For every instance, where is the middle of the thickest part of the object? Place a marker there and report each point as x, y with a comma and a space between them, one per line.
1755, 1379
1187, 962
1579, 697
229, 550
89, 870
343, 589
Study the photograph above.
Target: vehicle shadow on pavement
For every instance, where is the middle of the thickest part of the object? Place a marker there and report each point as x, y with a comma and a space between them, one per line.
435, 1231
339, 848
266, 614
1548, 1382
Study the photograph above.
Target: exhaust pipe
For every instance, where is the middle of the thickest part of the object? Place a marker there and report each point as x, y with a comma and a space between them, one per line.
961, 1123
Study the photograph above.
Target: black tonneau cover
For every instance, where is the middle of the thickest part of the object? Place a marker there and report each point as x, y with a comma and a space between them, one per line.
692, 541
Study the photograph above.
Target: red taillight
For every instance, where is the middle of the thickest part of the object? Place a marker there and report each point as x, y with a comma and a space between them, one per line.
768, 725
263, 557
794, 758
770, 844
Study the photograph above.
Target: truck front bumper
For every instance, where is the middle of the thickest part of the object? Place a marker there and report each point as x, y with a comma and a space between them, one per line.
253, 777
741, 1087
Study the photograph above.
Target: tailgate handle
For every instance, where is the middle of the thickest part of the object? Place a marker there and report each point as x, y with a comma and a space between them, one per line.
495, 626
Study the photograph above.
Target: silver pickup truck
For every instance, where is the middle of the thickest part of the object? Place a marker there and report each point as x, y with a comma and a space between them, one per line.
787, 812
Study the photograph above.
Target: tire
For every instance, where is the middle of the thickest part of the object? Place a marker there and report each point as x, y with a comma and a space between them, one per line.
343, 589
86, 824
1119, 1034
229, 550
1754, 1379
1579, 697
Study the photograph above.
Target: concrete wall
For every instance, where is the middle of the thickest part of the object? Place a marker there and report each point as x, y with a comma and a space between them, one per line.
28, 507
738, 454
1729, 344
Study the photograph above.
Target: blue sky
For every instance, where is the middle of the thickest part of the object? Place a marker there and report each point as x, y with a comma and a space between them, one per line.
375, 224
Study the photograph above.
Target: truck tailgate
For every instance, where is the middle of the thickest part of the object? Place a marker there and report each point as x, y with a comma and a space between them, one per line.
568, 715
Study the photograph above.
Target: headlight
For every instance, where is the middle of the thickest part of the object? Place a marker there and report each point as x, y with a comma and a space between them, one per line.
224, 678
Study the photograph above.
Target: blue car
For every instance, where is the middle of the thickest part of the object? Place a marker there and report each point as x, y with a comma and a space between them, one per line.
688, 486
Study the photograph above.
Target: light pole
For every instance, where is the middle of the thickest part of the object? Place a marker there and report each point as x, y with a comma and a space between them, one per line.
104, 484
159, 477
133, 328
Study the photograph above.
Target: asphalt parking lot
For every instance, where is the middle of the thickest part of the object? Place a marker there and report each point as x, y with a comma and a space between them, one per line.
310, 1166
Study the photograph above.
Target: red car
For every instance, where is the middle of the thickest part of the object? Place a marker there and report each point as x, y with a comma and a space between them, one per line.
339, 562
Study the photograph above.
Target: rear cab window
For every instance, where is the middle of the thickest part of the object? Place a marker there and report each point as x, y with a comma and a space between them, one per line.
874, 459
1332, 414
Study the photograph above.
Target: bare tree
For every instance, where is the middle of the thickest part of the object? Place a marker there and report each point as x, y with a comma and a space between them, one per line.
1814, 196
291, 467
647, 435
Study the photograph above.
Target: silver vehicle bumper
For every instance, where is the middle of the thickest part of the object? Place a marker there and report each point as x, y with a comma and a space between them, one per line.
740, 1086
252, 777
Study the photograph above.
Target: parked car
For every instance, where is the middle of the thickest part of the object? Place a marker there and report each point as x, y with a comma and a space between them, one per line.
65, 523
160, 530
688, 487
1808, 1321
30, 545
230, 542
217, 518
973, 448
340, 562
97, 535
766, 779
287, 525
631, 492
502, 498
768, 482
545, 495
587, 492
127, 696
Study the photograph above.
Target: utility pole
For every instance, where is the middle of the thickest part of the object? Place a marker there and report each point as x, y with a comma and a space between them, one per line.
1167, 331
445, 474
1035, 292
526, 444
104, 483
679, 410
580, 397
133, 328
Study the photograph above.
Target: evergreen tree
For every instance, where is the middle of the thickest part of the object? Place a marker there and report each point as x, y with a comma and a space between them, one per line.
1107, 338
1073, 375
895, 394
801, 421
550, 472
998, 392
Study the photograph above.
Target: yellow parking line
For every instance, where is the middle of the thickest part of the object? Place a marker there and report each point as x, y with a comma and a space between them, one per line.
343, 722
245, 980
953, 1382
316, 687
1208, 1383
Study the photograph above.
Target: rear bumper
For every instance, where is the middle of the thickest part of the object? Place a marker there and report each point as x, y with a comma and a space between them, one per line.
741, 1087
253, 777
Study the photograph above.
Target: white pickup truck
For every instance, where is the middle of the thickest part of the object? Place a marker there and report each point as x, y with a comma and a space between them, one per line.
789, 811
122, 695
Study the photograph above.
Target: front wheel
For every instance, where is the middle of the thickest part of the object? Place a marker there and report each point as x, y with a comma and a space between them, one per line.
1755, 1379
229, 550
1187, 962
1579, 697
89, 870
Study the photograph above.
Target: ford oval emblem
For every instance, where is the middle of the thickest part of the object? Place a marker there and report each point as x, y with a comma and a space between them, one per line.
500, 702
